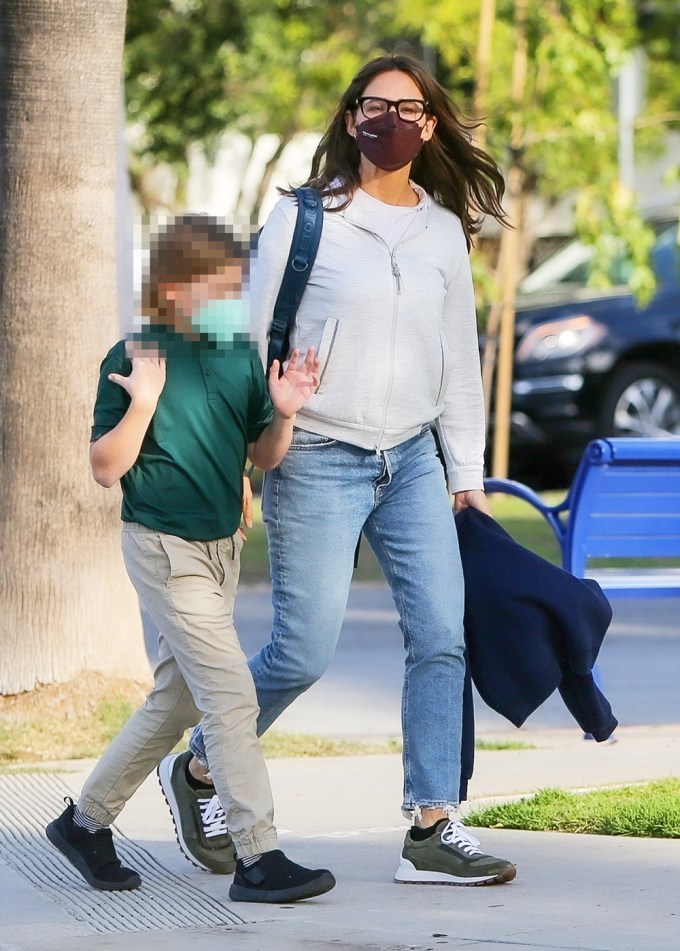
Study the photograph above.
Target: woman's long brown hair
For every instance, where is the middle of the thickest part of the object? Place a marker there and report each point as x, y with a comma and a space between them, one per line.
449, 167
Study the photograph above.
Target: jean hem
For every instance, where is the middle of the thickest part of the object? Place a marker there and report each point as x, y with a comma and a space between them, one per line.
414, 810
199, 755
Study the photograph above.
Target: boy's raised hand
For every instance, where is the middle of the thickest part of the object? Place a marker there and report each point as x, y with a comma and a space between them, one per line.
290, 392
145, 383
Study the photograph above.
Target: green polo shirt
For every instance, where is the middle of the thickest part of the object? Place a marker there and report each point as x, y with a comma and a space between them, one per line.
188, 477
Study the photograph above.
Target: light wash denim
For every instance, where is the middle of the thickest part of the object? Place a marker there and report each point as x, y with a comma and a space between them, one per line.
316, 504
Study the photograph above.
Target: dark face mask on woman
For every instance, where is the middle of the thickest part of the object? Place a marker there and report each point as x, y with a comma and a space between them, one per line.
389, 142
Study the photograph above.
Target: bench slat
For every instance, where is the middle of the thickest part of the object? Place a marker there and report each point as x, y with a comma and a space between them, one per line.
624, 502
644, 577
627, 504
634, 582
628, 546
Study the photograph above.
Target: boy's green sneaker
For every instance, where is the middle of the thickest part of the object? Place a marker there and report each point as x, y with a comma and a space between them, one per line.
199, 819
450, 856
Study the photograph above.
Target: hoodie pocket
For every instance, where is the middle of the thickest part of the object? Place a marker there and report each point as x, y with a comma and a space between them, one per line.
445, 368
325, 349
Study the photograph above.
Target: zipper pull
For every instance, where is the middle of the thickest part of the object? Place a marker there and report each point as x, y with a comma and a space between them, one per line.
397, 273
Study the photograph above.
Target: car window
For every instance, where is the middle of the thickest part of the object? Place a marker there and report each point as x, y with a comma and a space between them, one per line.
571, 265
566, 266
666, 256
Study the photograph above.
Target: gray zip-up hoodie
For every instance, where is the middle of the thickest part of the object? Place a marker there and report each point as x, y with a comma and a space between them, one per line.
396, 332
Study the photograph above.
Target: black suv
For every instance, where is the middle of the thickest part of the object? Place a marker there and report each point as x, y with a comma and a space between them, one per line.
592, 363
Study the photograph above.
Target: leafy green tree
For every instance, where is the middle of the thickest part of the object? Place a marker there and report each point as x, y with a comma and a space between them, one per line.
197, 67
176, 69
553, 125
659, 29
573, 50
548, 96
299, 58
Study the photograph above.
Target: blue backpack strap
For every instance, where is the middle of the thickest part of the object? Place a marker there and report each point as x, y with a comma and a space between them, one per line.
303, 248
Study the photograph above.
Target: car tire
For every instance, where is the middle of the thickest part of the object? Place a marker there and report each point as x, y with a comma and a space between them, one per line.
641, 399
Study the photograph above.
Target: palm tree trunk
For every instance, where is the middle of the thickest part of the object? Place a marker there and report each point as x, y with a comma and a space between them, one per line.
66, 604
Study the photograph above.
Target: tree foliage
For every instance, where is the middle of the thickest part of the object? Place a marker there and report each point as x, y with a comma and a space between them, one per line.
177, 55
197, 67
658, 24
298, 57
194, 68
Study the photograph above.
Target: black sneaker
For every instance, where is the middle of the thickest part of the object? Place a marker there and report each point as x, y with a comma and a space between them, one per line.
198, 817
91, 853
274, 878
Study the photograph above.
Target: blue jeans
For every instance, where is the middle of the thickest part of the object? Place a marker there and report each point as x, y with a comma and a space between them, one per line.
315, 505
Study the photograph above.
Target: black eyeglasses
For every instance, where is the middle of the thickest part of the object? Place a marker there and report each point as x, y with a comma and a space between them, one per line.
409, 110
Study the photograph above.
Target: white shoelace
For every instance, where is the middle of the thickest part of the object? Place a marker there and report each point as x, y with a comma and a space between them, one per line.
455, 833
213, 817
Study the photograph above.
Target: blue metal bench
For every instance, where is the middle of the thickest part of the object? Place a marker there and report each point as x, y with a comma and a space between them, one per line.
624, 503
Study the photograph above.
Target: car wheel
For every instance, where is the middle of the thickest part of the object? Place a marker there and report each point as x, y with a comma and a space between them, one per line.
642, 399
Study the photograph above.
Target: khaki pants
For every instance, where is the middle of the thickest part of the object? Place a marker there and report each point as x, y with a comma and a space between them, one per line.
188, 588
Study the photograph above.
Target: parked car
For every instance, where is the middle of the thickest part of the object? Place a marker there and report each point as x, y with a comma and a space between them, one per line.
591, 363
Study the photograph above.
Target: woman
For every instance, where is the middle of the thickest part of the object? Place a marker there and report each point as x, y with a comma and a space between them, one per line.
390, 306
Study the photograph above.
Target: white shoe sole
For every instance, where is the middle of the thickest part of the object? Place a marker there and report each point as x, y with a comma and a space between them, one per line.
408, 874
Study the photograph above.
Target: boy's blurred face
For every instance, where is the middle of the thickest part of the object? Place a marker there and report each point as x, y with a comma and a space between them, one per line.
184, 300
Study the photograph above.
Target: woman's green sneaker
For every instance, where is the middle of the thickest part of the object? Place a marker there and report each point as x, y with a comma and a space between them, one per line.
199, 819
450, 856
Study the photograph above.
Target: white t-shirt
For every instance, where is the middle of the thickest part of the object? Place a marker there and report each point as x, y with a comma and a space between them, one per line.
391, 222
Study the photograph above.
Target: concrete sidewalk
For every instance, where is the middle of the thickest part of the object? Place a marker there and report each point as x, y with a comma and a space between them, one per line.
589, 893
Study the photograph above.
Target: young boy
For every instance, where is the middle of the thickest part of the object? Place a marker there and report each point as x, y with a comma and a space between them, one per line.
179, 406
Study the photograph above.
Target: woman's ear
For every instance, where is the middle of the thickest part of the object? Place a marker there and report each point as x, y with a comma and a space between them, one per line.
350, 124
428, 128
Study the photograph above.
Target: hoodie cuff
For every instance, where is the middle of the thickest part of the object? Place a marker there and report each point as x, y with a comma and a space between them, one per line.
465, 478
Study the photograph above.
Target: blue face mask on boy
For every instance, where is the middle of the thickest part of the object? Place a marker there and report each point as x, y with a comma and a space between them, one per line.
224, 319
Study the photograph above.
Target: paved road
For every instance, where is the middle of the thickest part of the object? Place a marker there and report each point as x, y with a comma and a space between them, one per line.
360, 693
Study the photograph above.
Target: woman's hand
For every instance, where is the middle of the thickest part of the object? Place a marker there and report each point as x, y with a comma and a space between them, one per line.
290, 392
471, 499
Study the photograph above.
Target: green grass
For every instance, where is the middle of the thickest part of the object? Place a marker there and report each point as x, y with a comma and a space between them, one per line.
66, 721
494, 745
526, 525
530, 529
255, 563
112, 714
649, 810
78, 720
517, 517
277, 744
87, 738
73, 738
